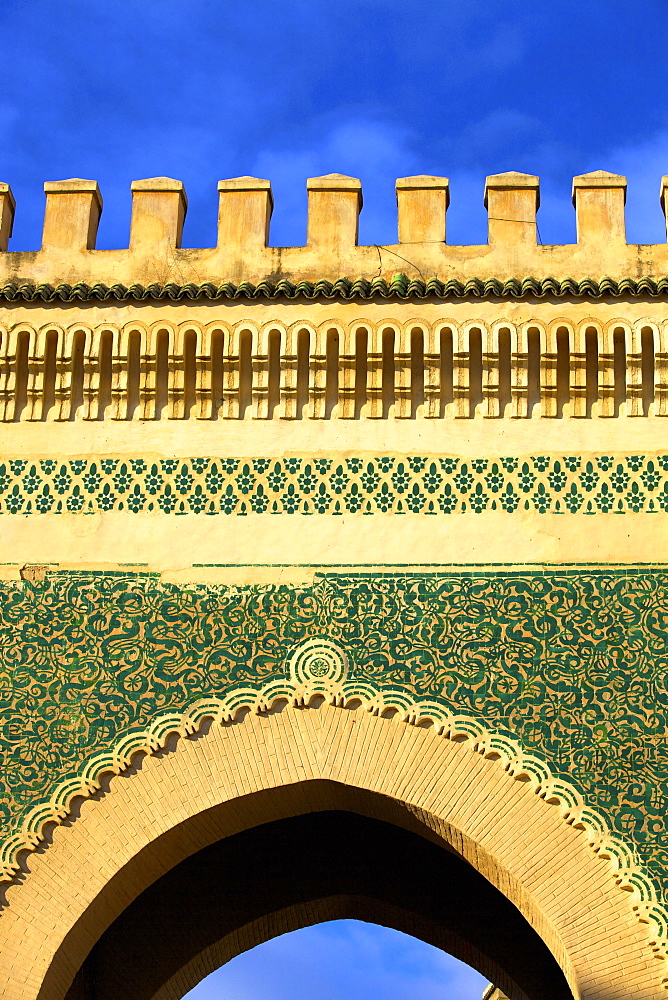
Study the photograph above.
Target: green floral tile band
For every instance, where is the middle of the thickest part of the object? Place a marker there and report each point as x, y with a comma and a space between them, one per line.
573, 663
400, 484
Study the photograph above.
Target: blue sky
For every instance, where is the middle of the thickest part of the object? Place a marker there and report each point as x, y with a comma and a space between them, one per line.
342, 960
204, 89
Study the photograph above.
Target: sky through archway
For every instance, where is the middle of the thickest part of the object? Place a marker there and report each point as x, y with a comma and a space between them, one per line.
342, 960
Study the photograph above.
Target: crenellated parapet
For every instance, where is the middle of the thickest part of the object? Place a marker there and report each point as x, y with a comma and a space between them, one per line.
330, 330
243, 255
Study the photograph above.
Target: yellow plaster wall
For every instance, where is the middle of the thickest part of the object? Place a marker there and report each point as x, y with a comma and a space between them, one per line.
588, 913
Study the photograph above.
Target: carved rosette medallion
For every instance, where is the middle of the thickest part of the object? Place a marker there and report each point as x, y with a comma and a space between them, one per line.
318, 664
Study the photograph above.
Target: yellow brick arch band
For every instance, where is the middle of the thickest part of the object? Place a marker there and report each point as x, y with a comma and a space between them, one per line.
317, 683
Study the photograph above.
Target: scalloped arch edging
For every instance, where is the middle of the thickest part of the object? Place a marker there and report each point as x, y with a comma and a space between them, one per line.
300, 691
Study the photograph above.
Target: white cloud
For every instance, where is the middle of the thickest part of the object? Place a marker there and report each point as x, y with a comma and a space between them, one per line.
496, 128
378, 151
644, 163
374, 150
9, 117
503, 50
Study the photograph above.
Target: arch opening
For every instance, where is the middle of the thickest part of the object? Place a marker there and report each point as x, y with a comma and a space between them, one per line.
446, 372
298, 871
505, 372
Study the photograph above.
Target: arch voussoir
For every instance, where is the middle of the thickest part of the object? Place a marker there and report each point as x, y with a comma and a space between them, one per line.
233, 776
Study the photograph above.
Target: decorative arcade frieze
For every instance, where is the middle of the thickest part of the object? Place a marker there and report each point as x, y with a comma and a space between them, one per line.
340, 369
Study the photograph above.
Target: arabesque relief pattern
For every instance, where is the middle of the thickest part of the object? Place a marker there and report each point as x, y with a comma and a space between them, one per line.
570, 665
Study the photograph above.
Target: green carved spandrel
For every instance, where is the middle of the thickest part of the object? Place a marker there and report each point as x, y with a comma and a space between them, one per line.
572, 662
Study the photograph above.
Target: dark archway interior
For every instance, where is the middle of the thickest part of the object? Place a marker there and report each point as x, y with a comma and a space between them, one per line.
303, 870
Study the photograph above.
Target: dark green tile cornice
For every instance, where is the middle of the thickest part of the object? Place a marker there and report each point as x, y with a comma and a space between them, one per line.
399, 288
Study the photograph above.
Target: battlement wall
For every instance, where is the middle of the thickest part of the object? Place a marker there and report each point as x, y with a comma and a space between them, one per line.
242, 256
